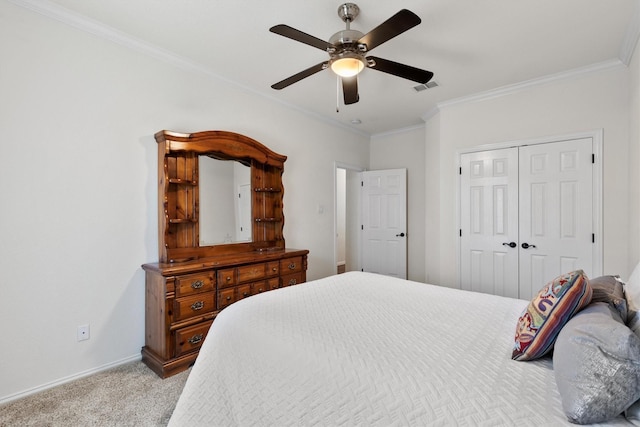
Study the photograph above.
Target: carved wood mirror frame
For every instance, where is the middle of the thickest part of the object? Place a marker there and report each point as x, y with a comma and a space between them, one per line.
178, 193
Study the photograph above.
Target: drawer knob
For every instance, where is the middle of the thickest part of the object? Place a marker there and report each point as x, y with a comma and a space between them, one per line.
228, 298
292, 266
245, 294
197, 284
196, 339
292, 282
259, 290
274, 269
198, 305
228, 278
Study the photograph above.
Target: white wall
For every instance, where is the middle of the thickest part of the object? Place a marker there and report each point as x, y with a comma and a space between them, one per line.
597, 100
432, 203
78, 188
341, 212
406, 149
634, 159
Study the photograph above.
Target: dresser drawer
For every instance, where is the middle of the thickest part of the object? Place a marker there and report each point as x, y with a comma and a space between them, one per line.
249, 273
274, 283
262, 286
227, 277
184, 308
292, 279
191, 337
192, 283
273, 268
291, 265
243, 291
226, 297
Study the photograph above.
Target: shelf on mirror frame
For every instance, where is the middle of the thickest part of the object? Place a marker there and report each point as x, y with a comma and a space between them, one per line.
182, 181
267, 190
182, 220
268, 219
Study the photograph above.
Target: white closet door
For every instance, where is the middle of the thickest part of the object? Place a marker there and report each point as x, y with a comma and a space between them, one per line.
489, 222
556, 212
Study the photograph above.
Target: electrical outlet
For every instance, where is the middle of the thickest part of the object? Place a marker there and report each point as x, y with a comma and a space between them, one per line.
83, 332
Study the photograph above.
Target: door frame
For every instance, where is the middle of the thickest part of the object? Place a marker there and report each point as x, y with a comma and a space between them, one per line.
339, 165
597, 136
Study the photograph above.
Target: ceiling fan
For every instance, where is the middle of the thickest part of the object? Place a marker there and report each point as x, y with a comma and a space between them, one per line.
348, 48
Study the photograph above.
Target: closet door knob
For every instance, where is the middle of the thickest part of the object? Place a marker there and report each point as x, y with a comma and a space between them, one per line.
512, 244
400, 235
527, 246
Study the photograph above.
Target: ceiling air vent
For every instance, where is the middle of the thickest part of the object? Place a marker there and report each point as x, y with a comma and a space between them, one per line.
428, 85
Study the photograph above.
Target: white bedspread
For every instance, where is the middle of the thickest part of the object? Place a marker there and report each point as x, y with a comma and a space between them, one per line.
363, 349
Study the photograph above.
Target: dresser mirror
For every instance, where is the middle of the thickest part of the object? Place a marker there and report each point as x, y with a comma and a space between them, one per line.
219, 193
224, 183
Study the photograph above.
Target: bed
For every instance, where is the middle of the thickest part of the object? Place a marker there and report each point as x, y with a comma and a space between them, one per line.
364, 349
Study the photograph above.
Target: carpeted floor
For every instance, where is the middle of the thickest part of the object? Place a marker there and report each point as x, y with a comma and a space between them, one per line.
128, 395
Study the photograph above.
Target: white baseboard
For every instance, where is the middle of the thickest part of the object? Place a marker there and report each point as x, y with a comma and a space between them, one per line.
64, 380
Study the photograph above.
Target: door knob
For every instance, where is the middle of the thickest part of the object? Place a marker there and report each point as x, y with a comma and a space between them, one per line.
400, 235
527, 246
510, 244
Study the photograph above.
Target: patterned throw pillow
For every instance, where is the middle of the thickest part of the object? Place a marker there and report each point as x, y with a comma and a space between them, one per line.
540, 323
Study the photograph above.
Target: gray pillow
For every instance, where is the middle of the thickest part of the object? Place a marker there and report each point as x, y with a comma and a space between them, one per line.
609, 289
596, 362
633, 414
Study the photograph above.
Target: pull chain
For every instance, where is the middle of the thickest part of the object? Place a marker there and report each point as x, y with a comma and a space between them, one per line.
337, 93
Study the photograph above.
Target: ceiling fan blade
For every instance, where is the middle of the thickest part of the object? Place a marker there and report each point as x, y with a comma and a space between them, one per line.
299, 76
350, 90
397, 24
297, 35
400, 70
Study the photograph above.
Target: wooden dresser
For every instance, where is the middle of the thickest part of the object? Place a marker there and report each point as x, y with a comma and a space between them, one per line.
182, 299
195, 279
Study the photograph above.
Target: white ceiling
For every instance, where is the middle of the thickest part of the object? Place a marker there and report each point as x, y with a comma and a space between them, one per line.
472, 46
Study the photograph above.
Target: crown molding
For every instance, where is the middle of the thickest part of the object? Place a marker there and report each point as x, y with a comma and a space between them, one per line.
83, 23
397, 131
627, 48
527, 84
631, 36
88, 25
431, 113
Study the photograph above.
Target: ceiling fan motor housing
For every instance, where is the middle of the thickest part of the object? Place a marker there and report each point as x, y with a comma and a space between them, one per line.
345, 37
346, 40
345, 45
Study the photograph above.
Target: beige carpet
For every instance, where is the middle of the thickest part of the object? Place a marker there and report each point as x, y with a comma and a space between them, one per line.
128, 395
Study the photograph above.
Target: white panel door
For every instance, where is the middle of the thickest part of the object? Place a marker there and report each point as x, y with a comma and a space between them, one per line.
489, 225
243, 219
384, 222
556, 212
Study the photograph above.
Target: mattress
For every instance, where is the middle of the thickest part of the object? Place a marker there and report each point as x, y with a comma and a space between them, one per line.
364, 349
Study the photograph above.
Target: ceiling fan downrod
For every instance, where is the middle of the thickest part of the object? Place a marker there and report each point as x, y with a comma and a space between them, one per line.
348, 12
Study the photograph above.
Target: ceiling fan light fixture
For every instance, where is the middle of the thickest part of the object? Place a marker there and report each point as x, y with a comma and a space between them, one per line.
347, 66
